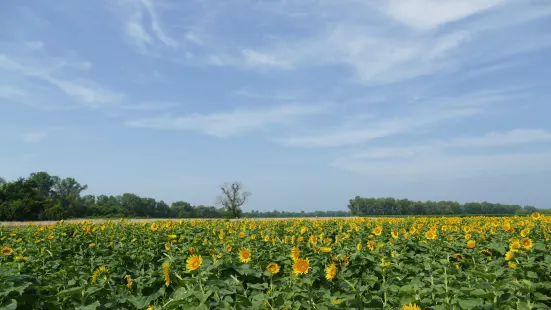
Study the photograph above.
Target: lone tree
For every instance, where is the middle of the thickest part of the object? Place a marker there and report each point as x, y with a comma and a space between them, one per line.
233, 198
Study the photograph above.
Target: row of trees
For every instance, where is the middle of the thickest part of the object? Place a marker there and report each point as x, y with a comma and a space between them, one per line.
42, 196
391, 206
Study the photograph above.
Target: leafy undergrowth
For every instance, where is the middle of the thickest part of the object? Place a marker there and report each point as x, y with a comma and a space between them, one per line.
385, 263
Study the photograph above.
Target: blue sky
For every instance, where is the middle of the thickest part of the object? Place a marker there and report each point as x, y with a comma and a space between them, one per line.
308, 103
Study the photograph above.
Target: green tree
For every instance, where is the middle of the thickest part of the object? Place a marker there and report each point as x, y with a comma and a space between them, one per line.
232, 198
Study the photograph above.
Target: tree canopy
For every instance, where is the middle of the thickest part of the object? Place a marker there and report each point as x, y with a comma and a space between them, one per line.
391, 206
42, 196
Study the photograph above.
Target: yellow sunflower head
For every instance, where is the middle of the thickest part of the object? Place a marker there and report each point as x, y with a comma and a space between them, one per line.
431, 235
411, 307
331, 272
471, 244
527, 243
295, 253
273, 268
7, 251
193, 262
301, 266
245, 255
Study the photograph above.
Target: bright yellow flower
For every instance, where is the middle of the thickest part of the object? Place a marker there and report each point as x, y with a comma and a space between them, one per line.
378, 230
273, 268
431, 235
512, 265
471, 244
371, 245
193, 262
7, 251
166, 273
411, 307
245, 255
525, 232
509, 255
301, 266
527, 243
295, 253
331, 272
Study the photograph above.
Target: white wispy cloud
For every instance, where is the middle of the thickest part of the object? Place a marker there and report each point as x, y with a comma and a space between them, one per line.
450, 167
37, 79
428, 14
376, 51
34, 136
233, 123
376, 129
493, 139
447, 158
36, 45
136, 15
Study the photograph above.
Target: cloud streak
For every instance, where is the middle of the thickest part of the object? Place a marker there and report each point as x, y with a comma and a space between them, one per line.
237, 122
34, 136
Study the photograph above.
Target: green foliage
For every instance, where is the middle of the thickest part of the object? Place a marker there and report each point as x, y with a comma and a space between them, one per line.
391, 206
119, 264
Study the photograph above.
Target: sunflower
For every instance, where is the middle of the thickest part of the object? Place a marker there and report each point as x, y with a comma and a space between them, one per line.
295, 253
512, 265
486, 252
166, 273
459, 257
245, 255
394, 234
371, 245
527, 243
431, 235
536, 215
128, 281
468, 236
525, 232
301, 266
359, 246
97, 272
331, 272
7, 251
273, 268
193, 262
411, 307
509, 255
324, 250
471, 244
20, 258
378, 230
228, 248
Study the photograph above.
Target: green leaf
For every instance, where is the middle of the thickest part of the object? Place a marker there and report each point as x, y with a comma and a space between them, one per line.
11, 306
469, 303
92, 306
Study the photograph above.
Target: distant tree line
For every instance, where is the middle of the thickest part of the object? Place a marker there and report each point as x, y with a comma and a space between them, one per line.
42, 196
285, 214
390, 206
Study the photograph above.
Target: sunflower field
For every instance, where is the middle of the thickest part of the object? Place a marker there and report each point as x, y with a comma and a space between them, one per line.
357, 263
